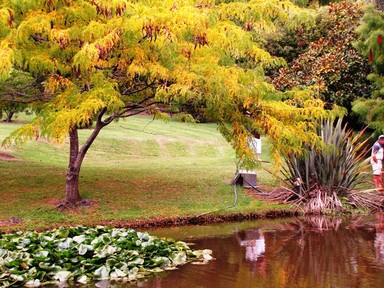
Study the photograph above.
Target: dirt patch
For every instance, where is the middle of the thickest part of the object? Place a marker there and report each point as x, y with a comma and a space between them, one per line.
11, 221
8, 157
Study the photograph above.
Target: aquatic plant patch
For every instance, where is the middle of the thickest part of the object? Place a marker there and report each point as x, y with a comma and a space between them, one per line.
84, 254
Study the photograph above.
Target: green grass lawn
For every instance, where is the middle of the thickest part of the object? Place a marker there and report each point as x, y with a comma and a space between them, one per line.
136, 169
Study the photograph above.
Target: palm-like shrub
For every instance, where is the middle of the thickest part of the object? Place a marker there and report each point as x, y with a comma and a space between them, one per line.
321, 177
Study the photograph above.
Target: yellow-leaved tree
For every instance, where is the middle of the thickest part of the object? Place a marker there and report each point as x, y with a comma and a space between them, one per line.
109, 59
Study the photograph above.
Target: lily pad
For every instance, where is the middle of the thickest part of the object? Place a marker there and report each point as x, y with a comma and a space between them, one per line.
84, 254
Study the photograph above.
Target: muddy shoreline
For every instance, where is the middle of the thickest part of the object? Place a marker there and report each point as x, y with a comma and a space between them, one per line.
15, 224
199, 219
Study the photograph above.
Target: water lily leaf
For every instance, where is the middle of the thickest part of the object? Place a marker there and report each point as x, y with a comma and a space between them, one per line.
62, 276
42, 254
65, 244
179, 258
82, 279
101, 273
61, 233
131, 254
161, 261
96, 241
111, 262
133, 273
111, 253
65, 254
3, 252
203, 254
75, 260
136, 262
68, 266
182, 245
79, 239
106, 238
88, 267
122, 266
82, 249
117, 273
45, 239
19, 278
33, 283
102, 252
40, 275
24, 243
32, 271
119, 233
45, 265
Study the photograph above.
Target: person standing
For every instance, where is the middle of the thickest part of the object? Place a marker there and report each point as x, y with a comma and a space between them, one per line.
377, 156
255, 143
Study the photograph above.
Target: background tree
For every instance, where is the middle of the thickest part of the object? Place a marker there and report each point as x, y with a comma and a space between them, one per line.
289, 43
18, 92
106, 60
10, 109
370, 42
331, 63
306, 3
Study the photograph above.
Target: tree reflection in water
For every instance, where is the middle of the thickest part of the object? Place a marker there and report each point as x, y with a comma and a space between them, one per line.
310, 252
379, 239
315, 251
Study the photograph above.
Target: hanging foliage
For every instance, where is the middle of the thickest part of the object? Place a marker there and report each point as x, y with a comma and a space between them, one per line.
103, 60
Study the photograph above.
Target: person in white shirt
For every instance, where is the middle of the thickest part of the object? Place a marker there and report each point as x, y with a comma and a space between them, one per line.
255, 143
377, 156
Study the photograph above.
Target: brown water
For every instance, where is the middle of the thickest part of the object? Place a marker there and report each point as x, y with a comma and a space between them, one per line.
280, 253
312, 252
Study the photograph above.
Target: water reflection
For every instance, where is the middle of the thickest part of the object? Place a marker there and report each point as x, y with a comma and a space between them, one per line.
254, 242
309, 252
379, 238
306, 252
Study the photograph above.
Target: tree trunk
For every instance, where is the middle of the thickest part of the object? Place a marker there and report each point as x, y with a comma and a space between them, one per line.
72, 195
8, 119
76, 157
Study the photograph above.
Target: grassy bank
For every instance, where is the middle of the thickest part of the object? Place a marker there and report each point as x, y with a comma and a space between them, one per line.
136, 169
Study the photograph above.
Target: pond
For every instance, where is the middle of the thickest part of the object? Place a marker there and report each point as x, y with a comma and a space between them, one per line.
300, 252
303, 252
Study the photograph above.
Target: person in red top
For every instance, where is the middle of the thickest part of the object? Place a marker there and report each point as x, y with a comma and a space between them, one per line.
377, 156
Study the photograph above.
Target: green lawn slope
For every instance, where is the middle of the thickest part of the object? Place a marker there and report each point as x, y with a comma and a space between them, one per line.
137, 171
